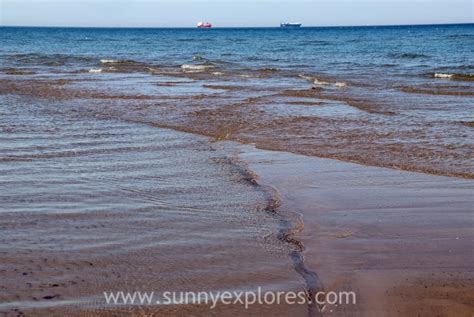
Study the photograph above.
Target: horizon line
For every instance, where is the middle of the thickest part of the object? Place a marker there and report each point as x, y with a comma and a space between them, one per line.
230, 27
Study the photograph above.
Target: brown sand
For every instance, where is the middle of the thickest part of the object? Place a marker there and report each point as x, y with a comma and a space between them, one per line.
401, 240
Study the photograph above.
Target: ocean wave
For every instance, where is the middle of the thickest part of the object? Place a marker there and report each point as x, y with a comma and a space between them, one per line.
192, 68
319, 82
461, 77
118, 61
440, 75
128, 66
306, 77
152, 69
95, 70
337, 84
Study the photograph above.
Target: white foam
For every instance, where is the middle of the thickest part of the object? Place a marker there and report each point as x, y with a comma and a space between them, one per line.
305, 77
441, 75
95, 70
338, 84
195, 68
108, 61
318, 82
321, 82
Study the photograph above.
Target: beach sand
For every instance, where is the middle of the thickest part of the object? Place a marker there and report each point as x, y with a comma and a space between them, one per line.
402, 241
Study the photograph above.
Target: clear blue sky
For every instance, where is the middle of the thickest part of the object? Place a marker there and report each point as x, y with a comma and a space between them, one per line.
170, 13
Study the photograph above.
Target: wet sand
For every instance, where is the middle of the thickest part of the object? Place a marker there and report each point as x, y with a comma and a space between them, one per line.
401, 240
91, 205
111, 201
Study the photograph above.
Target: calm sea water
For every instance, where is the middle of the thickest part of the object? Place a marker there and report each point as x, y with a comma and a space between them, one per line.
403, 51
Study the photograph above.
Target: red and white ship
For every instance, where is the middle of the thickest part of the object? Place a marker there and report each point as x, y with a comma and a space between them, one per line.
204, 25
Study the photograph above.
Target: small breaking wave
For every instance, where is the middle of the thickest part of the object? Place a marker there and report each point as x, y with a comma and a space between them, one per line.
440, 75
193, 68
118, 61
319, 82
338, 84
95, 70
462, 77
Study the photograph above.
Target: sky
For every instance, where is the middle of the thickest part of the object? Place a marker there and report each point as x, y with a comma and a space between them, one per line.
228, 13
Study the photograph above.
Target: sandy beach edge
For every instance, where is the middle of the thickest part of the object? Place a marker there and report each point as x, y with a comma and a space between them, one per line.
402, 241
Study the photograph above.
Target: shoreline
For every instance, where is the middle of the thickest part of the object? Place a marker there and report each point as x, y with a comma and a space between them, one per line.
69, 258
291, 175
398, 265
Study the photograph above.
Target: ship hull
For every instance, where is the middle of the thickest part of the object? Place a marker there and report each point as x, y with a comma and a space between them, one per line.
202, 25
290, 25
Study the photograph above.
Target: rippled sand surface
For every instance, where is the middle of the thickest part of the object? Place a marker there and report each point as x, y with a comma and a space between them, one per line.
402, 241
93, 205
